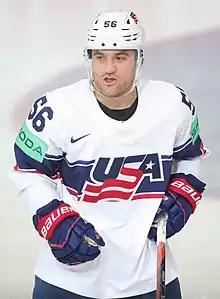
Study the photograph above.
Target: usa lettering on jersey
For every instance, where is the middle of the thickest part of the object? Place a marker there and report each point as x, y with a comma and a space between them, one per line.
121, 178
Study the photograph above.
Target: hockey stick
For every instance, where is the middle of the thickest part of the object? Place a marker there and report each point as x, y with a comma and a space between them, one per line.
161, 256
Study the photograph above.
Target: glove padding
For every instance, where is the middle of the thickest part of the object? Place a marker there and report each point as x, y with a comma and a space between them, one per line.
71, 238
182, 196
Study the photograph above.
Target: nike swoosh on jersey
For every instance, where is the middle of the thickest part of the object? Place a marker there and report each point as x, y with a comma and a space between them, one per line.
72, 140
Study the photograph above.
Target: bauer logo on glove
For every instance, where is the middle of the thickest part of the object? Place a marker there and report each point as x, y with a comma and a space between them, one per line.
179, 202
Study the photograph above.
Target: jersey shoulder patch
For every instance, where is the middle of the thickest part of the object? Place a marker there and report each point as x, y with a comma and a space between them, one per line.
30, 144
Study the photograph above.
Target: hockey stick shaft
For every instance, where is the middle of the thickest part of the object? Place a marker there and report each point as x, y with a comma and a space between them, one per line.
161, 257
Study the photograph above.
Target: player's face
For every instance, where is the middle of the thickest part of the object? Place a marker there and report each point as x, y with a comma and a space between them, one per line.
113, 71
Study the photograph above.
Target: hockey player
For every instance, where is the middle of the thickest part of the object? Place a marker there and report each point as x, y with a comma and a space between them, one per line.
94, 165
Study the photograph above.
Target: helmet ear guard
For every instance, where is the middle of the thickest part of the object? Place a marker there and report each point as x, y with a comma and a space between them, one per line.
139, 63
88, 53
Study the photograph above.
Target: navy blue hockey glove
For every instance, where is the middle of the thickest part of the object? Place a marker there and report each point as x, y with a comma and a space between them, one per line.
182, 196
71, 238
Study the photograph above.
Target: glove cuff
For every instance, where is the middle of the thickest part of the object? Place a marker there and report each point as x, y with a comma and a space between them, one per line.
181, 186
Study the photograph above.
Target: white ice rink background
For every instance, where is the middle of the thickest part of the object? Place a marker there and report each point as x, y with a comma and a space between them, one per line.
41, 44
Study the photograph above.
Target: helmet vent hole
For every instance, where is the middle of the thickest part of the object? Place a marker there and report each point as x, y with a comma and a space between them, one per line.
96, 21
103, 44
128, 21
114, 44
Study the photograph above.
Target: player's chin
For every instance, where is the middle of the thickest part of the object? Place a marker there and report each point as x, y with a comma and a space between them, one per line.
110, 92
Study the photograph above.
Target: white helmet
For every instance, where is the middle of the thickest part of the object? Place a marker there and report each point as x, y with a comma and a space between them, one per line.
117, 30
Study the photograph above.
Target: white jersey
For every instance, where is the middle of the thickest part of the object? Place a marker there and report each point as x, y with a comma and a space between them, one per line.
113, 173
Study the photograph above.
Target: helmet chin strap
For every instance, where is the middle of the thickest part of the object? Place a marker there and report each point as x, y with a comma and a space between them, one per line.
95, 89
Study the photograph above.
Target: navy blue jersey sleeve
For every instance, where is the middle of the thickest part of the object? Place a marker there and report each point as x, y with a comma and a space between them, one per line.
38, 154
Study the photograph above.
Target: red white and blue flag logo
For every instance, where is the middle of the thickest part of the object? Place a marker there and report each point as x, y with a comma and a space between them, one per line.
119, 178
